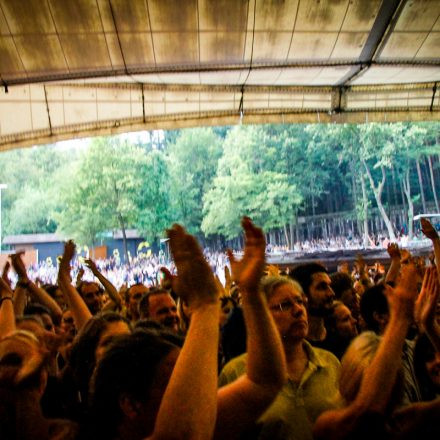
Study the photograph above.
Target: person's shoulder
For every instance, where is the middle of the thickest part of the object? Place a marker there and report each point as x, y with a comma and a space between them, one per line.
233, 369
325, 357
236, 363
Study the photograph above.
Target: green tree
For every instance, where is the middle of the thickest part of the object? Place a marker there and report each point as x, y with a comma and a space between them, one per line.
193, 164
245, 186
102, 193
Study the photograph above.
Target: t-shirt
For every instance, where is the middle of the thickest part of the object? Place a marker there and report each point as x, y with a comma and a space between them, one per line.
297, 406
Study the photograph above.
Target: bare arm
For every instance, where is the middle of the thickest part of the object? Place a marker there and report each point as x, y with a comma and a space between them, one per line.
425, 307
19, 300
244, 400
393, 271
7, 315
432, 234
39, 295
189, 405
81, 313
108, 286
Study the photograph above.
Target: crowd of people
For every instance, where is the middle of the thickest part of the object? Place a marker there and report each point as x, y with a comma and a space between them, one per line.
220, 346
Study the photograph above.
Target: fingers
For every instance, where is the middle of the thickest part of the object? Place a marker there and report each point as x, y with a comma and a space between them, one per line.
231, 257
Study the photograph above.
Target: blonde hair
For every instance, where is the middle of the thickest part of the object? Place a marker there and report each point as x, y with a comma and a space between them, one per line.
270, 283
358, 356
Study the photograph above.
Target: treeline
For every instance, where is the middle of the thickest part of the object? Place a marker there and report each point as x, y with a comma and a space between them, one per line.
208, 178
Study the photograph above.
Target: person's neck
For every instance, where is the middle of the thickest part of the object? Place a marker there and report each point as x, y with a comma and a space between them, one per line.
317, 330
296, 359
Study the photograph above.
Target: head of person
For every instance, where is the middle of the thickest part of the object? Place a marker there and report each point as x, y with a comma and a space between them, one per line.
343, 286
129, 383
227, 304
427, 367
356, 359
92, 294
133, 296
160, 306
43, 313
68, 325
316, 284
23, 378
55, 292
374, 308
91, 343
340, 323
287, 303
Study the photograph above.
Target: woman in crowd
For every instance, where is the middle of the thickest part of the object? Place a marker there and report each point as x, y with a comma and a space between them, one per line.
371, 376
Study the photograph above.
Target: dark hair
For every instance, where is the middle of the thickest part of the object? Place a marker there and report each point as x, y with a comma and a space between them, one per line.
373, 300
83, 284
144, 303
424, 352
127, 295
50, 289
82, 357
340, 283
128, 367
304, 272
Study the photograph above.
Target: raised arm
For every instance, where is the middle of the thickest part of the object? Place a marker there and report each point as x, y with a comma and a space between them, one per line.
189, 405
432, 234
108, 286
425, 307
39, 295
380, 375
7, 315
244, 400
81, 313
393, 272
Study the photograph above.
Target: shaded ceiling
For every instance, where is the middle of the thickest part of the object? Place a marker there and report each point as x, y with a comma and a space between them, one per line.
88, 67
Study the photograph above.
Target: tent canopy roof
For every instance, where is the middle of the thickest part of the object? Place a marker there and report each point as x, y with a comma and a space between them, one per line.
89, 67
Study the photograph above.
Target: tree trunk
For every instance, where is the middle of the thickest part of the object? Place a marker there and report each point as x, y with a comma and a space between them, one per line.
124, 237
378, 196
365, 208
422, 193
292, 232
287, 237
403, 198
407, 189
434, 192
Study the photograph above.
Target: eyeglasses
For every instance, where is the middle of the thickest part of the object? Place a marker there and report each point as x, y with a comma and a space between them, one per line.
287, 305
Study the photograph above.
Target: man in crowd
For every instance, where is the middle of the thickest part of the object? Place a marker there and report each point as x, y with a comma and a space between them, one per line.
133, 297
159, 306
316, 284
92, 294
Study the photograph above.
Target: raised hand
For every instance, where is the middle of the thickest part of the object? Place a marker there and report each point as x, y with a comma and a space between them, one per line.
64, 269
248, 271
79, 275
402, 298
18, 265
426, 303
195, 282
5, 273
393, 251
428, 229
91, 265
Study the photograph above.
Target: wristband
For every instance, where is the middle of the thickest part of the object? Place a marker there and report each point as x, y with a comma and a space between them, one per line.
4, 298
